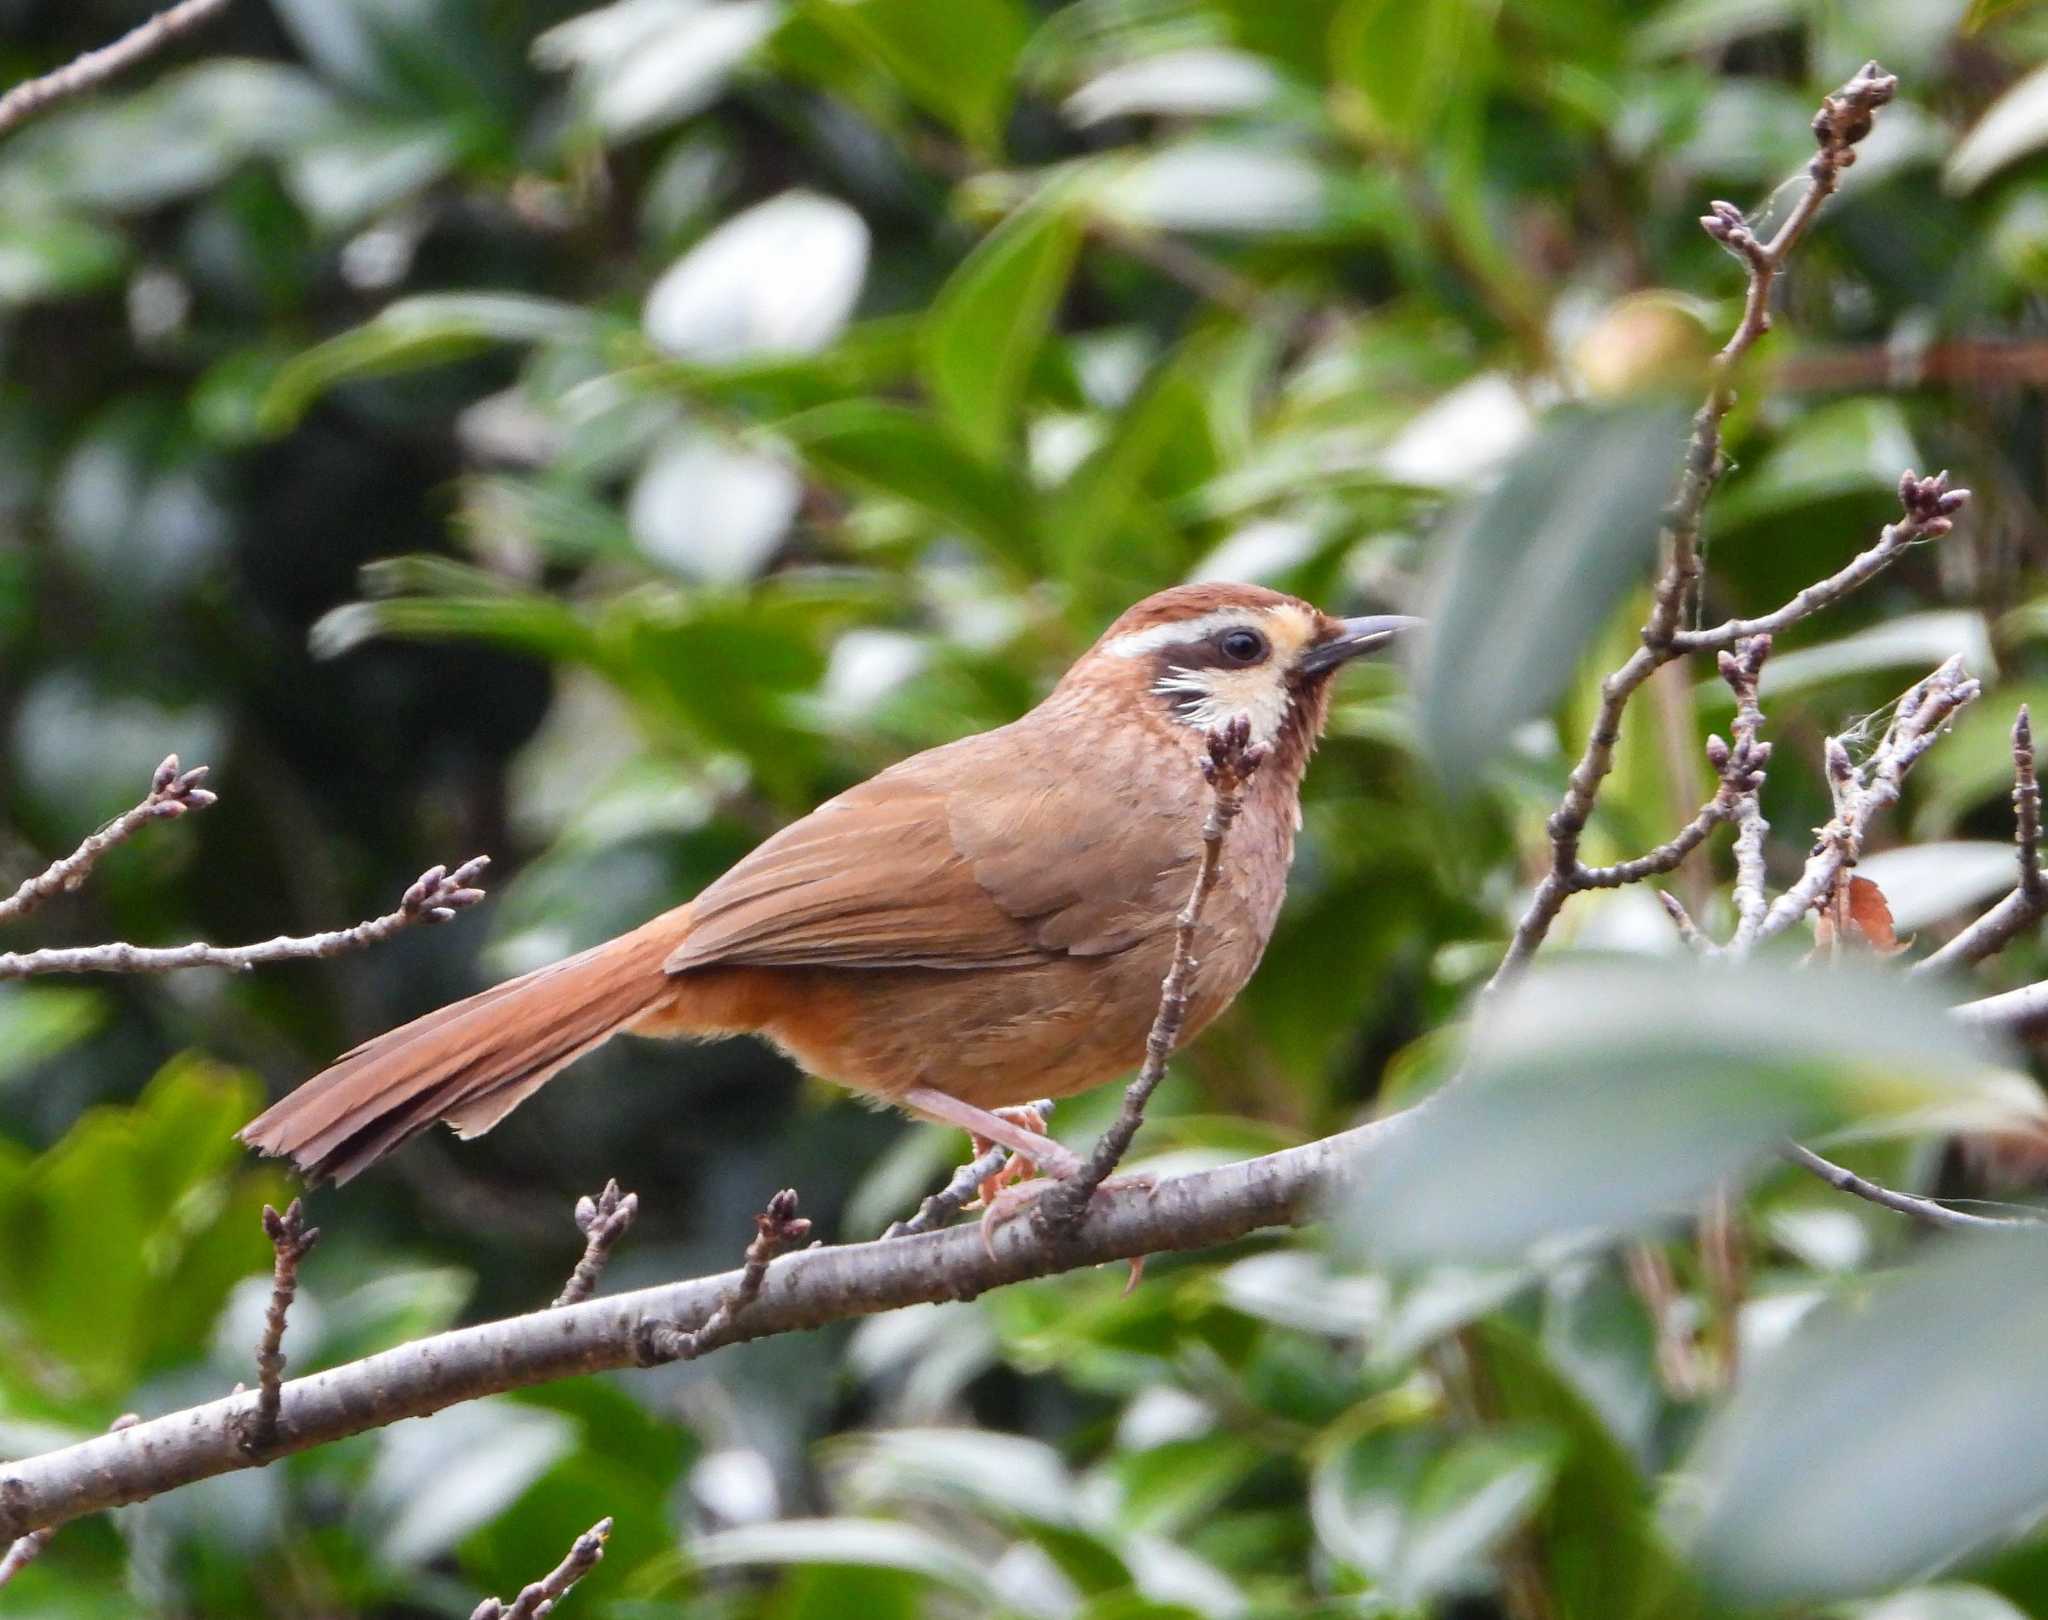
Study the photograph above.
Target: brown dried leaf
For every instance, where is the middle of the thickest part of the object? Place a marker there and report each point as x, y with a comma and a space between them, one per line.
1868, 918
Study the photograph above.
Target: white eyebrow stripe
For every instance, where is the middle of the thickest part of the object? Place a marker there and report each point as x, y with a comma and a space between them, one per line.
1181, 631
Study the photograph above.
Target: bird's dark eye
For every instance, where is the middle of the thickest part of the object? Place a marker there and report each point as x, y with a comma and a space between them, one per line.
1242, 646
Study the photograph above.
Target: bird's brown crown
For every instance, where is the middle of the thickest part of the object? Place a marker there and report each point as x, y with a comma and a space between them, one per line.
1180, 603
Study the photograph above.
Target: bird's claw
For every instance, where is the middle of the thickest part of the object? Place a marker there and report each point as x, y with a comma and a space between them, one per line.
1014, 1200
1019, 1166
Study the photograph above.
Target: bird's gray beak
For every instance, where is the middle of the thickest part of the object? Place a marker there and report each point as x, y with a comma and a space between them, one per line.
1358, 636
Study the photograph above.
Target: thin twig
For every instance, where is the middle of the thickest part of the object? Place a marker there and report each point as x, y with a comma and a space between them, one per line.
94, 68
1843, 120
2028, 901
291, 1240
602, 1221
1677, 1359
1862, 795
435, 897
1228, 767
1721, 1264
1689, 932
538, 1600
776, 1228
1930, 511
172, 792
958, 1193
1924, 1210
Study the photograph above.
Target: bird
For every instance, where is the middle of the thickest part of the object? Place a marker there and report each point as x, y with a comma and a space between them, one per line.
981, 924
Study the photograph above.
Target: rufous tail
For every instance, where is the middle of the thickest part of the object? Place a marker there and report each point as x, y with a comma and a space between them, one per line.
470, 1063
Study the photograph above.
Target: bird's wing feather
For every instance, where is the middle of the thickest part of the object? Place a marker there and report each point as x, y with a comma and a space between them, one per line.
986, 853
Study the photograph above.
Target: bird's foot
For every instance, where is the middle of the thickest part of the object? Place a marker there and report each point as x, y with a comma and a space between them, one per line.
1019, 1165
1015, 1199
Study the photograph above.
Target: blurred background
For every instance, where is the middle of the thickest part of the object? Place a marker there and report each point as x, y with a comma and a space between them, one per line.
591, 437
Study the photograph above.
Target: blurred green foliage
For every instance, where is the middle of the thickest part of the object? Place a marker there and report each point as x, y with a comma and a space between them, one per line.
594, 435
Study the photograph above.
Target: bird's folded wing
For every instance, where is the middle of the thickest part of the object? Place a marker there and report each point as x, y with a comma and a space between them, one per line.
920, 868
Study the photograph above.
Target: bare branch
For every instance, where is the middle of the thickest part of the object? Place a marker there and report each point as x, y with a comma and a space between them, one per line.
435, 897
958, 1193
1689, 932
802, 1290
1844, 119
2028, 901
172, 792
1230, 764
1861, 796
292, 1240
1924, 1210
95, 68
602, 1221
1677, 1359
1742, 668
25, 1550
2019, 1013
538, 1600
1930, 509
776, 1228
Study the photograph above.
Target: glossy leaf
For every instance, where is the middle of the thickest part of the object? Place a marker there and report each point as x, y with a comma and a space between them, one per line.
954, 58
991, 318
1530, 572
780, 279
415, 332
1602, 1096
1896, 1432
894, 450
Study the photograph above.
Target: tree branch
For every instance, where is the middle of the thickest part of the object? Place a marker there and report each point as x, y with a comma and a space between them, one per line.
1862, 795
25, 1550
1844, 119
1930, 508
2028, 901
776, 1228
95, 68
292, 1240
435, 897
172, 792
602, 1221
1228, 768
1924, 1210
967, 1181
538, 1601
802, 1290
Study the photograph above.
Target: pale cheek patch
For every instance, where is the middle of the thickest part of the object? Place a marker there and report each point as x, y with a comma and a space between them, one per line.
1207, 698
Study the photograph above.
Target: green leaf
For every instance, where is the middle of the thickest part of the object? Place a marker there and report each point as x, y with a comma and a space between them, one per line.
1471, 1500
1530, 573
895, 450
954, 58
2012, 126
642, 68
1858, 446
782, 278
1949, 1601
999, 1474
37, 1022
1601, 1546
1407, 63
416, 332
853, 1542
1602, 1096
435, 1481
991, 317
48, 258
1897, 1430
